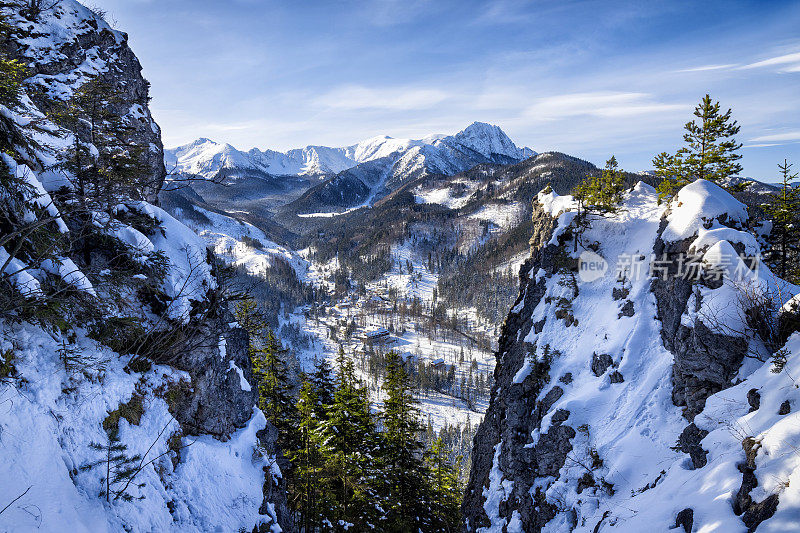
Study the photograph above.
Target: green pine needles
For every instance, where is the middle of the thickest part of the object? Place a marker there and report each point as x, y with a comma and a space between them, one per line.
710, 150
352, 468
784, 210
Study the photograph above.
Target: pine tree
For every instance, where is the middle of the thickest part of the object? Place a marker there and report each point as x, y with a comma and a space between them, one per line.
274, 395
784, 209
324, 385
598, 196
350, 436
307, 484
710, 150
405, 495
119, 468
269, 370
602, 195
445, 487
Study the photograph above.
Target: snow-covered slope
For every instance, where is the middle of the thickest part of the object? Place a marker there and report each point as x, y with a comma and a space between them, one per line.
444, 154
640, 400
115, 355
206, 158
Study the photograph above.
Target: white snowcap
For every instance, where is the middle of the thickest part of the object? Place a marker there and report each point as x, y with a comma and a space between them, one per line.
553, 204
708, 238
698, 204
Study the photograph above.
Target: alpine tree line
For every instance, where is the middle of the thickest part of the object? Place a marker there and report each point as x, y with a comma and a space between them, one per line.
348, 467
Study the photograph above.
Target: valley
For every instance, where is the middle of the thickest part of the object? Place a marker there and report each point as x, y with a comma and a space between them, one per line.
407, 275
433, 332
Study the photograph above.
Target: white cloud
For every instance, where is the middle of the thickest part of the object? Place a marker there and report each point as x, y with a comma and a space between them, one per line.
705, 68
355, 97
598, 104
777, 137
793, 60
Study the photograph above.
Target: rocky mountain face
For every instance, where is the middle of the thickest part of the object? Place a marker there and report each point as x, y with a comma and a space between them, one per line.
183, 412
67, 44
322, 179
635, 400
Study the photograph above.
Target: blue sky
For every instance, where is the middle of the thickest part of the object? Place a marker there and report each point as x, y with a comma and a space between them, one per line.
589, 78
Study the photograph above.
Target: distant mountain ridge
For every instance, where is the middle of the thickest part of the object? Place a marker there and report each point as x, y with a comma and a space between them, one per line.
478, 143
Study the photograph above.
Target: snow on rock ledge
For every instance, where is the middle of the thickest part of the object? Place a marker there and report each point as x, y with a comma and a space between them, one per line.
698, 205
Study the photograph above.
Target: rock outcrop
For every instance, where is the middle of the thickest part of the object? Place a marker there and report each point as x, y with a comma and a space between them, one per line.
594, 422
705, 362
508, 420
65, 45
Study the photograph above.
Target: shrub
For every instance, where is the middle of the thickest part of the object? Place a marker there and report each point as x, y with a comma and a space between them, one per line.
131, 411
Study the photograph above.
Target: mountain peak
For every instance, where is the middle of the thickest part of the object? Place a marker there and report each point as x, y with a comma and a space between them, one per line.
477, 143
488, 140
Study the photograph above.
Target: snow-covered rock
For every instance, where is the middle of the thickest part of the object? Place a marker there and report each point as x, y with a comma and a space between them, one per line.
627, 405
198, 445
477, 143
65, 46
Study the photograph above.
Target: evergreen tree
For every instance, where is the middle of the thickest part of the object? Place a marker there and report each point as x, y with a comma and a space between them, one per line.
784, 209
350, 436
406, 496
710, 151
104, 164
269, 370
274, 394
598, 196
307, 485
324, 384
602, 195
445, 487
119, 468
12, 73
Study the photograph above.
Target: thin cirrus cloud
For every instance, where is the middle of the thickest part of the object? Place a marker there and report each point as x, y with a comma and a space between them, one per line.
599, 104
784, 62
705, 68
777, 138
793, 60
357, 97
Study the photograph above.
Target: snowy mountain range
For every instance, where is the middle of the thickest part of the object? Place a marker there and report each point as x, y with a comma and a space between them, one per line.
478, 143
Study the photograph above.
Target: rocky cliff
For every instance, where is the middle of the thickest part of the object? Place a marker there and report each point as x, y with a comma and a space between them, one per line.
64, 44
634, 401
129, 401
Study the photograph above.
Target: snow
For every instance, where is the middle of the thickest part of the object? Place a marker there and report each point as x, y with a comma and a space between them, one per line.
504, 216
497, 492
67, 270
634, 425
445, 154
225, 236
46, 433
219, 484
328, 214
487, 139
699, 203
19, 275
445, 194
554, 204
189, 276
707, 238
243, 383
40, 195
